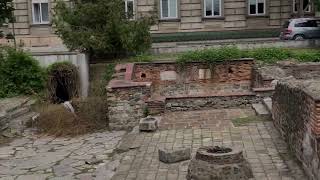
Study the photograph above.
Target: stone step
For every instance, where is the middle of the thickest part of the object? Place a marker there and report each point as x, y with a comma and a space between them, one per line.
261, 110
267, 102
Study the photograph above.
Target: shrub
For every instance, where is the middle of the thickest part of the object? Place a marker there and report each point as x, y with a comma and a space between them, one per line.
20, 74
265, 55
63, 82
109, 72
270, 55
307, 56
211, 55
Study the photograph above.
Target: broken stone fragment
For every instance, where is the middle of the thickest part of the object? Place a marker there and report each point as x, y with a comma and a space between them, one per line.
174, 155
148, 124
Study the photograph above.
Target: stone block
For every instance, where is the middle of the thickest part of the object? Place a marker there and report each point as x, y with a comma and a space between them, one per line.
260, 110
149, 124
174, 155
168, 76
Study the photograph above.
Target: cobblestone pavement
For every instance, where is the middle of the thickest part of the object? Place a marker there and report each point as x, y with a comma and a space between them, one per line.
262, 145
39, 158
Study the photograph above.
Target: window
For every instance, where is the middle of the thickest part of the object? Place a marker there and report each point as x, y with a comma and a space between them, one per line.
212, 8
40, 11
129, 9
257, 7
309, 23
306, 5
169, 9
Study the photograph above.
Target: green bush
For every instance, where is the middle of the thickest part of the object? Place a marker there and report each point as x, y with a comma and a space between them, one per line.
101, 27
211, 55
109, 72
265, 55
307, 56
270, 55
20, 74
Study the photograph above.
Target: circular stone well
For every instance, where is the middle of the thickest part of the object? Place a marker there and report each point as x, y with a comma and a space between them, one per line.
219, 163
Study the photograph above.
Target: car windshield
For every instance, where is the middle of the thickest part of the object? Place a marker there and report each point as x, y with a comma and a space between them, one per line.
286, 24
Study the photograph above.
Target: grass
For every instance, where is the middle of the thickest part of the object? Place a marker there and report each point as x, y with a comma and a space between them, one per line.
246, 120
150, 58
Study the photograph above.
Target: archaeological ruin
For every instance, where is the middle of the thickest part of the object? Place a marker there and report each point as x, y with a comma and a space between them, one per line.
289, 91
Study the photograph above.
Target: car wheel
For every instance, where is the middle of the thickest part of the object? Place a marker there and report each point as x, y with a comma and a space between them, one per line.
298, 37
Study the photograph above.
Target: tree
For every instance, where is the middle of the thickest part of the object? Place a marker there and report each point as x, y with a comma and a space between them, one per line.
100, 26
6, 15
6, 11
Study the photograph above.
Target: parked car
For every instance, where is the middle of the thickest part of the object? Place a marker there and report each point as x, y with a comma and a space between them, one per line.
301, 28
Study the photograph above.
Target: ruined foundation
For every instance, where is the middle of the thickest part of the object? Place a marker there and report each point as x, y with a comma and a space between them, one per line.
219, 163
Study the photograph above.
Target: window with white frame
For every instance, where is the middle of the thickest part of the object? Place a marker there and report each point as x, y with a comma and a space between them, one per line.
129, 8
306, 5
40, 11
212, 8
169, 9
257, 7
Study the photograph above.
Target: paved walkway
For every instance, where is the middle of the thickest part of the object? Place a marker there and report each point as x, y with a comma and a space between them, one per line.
263, 148
94, 156
215, 119
39, 158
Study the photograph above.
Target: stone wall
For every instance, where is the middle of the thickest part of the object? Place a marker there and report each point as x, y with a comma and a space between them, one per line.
126, 106
215, 102
178, 47
296, 114
164, 72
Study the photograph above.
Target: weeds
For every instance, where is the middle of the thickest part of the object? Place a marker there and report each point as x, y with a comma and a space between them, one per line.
245, 120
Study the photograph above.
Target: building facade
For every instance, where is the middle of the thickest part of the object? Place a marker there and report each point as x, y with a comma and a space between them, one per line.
33, 17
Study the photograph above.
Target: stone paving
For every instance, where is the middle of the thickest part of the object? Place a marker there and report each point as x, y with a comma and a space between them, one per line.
38, 158
215, 119
97, 156
263, 147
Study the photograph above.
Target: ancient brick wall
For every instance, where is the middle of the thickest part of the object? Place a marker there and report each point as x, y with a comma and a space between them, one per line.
217, 102
225, 72
126, 106
296, 114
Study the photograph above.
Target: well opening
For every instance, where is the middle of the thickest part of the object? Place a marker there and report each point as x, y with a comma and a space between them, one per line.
219, 150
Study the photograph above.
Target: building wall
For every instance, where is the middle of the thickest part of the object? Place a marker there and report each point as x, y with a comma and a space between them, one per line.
190, 19
234, 16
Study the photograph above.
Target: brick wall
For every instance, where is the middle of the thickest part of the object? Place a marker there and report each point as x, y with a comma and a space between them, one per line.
227, 72
296, 114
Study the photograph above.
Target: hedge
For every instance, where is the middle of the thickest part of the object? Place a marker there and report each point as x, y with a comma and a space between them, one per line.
214, 35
